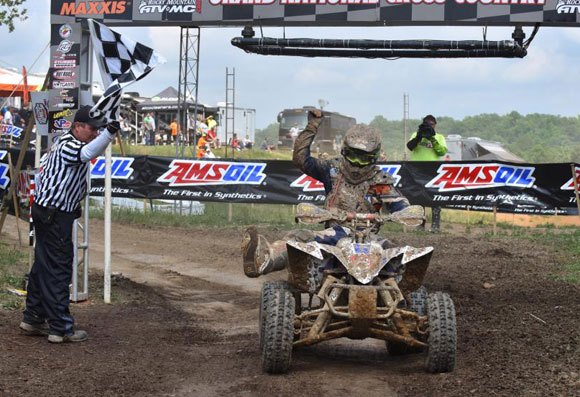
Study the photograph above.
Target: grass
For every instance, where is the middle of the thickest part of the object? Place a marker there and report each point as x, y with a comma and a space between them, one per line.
13, 267
169, 151
569, 244
216, 215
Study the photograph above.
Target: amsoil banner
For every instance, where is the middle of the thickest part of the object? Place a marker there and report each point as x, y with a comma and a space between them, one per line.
515, 188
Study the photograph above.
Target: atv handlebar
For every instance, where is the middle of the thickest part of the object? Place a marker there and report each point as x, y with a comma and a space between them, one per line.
309, 213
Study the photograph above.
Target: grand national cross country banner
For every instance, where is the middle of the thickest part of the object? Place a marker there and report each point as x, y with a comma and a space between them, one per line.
320, 12
544, 189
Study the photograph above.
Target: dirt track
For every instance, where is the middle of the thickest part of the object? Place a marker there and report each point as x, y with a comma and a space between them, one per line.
185, 323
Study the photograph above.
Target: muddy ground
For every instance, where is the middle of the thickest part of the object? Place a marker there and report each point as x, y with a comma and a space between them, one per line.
184, 322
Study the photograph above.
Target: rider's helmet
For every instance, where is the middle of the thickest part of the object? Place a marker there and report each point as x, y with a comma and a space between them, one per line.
360, 149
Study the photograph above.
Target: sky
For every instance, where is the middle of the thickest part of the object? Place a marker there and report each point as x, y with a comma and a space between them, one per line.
545, 81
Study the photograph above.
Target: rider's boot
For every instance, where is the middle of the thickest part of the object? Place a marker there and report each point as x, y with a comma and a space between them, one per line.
272, 258
249, 246
261, 257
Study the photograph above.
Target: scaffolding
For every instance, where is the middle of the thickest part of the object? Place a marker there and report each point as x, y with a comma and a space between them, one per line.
230, 107
187, 86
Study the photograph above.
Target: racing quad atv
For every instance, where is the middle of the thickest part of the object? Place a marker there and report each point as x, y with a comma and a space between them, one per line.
359, 288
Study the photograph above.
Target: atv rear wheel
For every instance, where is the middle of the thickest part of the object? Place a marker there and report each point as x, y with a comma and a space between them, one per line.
442, 339
277, 327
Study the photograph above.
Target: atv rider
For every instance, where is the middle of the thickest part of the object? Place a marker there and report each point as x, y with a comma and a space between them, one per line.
352, 182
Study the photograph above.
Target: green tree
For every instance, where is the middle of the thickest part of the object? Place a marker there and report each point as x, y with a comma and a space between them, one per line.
270, 132
11, 10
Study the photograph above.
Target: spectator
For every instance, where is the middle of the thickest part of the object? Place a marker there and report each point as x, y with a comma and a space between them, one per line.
294, 131
266, 145
149, 129
8, 117
235, 143
175, 130
208, 153
247, 143
428, 145
61, 185
201, 144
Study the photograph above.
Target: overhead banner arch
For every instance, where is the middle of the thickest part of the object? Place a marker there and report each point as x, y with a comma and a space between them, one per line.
321, 12
70, 70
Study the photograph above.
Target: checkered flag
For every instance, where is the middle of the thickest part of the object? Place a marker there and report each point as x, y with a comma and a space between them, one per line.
122, 61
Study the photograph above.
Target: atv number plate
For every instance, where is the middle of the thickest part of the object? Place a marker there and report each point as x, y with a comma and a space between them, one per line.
361, 248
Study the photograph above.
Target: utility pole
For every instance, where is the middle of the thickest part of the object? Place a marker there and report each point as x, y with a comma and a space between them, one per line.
405, 124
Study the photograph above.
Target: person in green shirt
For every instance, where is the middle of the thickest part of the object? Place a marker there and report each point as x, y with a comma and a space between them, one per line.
428, 145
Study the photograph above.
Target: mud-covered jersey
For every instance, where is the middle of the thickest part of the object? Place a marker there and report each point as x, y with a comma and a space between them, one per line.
370, 195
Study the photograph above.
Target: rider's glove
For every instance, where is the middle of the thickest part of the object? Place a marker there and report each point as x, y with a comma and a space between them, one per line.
315, 117
113, 127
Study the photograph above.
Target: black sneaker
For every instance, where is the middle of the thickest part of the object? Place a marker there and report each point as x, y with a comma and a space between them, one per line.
249, 246
34, 329
77, 336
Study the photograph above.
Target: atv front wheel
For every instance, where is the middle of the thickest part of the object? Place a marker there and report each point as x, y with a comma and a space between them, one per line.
277, 327
418, 301
442, 340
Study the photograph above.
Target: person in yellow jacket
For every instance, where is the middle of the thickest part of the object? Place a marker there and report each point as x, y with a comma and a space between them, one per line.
428, 145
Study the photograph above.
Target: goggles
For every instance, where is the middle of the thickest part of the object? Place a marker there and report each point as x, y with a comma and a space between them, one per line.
360, 158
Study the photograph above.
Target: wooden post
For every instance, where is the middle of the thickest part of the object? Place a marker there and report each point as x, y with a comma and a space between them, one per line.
23, 149
121, 144
494, 220
575, 181
230, 212
14, 179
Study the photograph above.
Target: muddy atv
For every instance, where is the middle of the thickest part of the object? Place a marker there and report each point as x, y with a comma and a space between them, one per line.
359, 288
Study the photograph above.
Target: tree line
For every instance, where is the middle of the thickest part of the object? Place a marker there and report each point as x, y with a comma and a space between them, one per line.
537, 138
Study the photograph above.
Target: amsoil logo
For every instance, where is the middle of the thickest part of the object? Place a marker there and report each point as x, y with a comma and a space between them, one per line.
93, 7
570, 184
200, 173
309, 184
453, 177
169, 6
120, 167
4, 180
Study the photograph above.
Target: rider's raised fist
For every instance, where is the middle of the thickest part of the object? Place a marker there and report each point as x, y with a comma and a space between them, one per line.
315, 114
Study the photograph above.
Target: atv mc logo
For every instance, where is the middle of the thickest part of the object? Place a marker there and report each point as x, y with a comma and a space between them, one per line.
309, 184
201, 173
452, 177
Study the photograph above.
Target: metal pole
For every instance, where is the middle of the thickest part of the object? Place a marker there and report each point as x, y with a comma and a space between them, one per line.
405, 126
234, 108
107, 259
227, 113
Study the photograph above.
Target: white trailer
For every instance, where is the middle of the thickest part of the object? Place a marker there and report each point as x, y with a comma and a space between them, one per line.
244, 123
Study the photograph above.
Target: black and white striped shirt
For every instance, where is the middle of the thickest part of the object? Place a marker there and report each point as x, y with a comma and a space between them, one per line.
62, 178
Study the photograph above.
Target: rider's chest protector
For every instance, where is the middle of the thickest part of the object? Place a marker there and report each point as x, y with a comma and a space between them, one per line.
358, 197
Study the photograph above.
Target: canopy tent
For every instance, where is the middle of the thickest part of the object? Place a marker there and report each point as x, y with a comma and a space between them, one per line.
12, 83
167, 100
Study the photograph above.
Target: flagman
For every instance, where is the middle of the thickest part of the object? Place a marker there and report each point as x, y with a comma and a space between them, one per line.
61, 184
